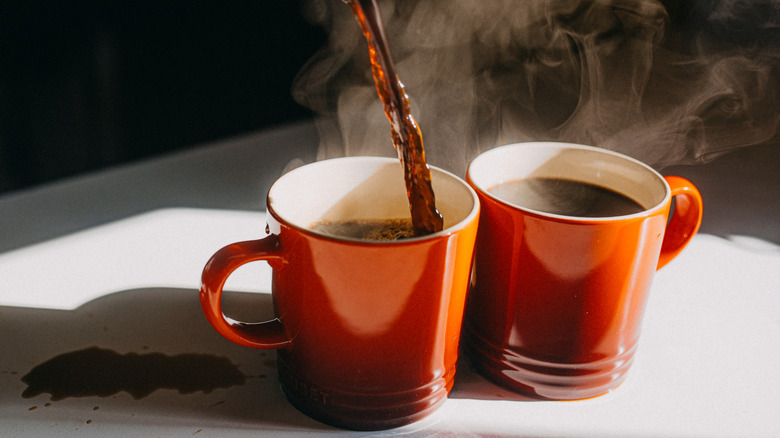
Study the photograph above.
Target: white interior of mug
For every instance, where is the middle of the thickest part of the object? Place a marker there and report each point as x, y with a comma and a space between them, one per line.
362, 188
586, 164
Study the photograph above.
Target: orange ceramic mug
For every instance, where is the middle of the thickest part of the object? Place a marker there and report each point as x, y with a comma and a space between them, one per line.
367, 332
564, 267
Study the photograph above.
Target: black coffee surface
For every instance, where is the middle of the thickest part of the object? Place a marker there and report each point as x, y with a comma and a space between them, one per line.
566, 197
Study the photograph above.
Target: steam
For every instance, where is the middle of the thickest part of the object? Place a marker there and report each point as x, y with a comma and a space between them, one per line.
665, 83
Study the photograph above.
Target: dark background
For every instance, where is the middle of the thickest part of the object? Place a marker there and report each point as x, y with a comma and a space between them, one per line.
89, 84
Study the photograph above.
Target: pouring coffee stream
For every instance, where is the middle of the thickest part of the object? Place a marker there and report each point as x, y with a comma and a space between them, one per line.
406, 135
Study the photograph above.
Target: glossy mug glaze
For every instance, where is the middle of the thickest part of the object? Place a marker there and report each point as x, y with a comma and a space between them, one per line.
556, 303
367, 332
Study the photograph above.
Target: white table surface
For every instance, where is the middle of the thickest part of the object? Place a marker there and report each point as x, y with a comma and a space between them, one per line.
113, 260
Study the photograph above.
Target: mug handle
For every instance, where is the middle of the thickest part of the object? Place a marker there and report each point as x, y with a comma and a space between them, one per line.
265, 335
685, 220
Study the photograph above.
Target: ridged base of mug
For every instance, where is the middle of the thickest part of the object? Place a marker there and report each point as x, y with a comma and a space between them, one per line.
364, 411
546, 380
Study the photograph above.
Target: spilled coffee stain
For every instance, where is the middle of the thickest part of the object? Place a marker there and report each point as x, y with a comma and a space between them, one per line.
100, 372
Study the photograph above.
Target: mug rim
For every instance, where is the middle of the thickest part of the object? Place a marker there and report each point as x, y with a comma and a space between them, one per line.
646, 212
470, 217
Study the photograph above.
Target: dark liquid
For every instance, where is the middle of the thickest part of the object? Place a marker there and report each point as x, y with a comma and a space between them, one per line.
405, 133
565, 197
99, 372
391, 229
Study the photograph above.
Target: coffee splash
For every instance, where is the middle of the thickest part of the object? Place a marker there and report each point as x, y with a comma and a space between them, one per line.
406, 135
102, 373
668, 82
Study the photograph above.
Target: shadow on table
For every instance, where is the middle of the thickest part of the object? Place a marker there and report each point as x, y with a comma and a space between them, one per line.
470, 385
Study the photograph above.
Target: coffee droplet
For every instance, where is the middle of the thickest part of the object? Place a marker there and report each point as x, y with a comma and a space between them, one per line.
99, 372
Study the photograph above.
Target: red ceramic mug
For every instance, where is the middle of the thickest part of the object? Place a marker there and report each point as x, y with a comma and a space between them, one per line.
563, 270
367, 332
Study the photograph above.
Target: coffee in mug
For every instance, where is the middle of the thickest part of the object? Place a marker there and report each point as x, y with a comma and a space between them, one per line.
379, 229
